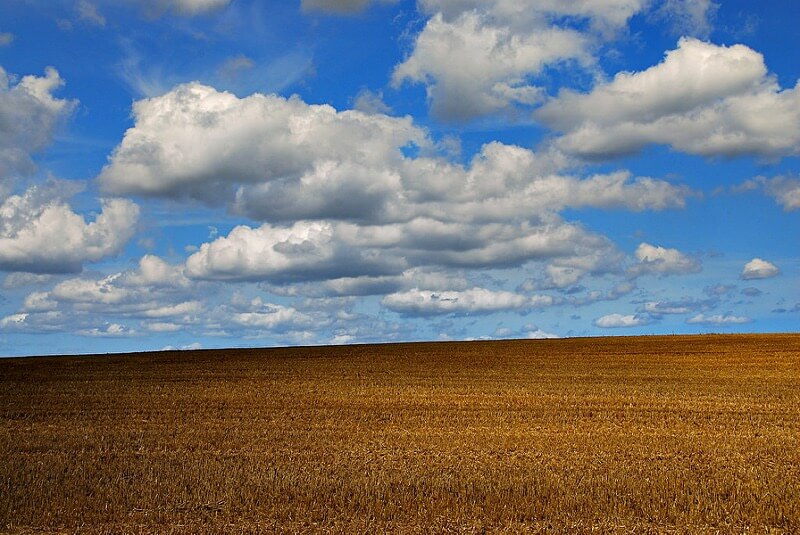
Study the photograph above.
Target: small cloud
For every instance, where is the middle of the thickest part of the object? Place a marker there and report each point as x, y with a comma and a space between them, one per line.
341, 7
751, 292
662, 261
110, 330
784, 189
688, 17
616, 321
88, 12
661, 308
234, 66
6, 38
718, 290
758, 268
539, 334
188, 347
718, 319
371, 103
783, 310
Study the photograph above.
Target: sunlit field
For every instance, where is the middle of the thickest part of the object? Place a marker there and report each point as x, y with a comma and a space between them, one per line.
651, 434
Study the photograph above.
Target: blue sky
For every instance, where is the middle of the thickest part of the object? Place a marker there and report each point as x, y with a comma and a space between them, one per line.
222, 173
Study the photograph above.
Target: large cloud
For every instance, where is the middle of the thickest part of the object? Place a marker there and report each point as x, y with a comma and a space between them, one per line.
473, 67
29, 115
198, 142
39, 232
282, 160
343, 196
702, 99
482, 57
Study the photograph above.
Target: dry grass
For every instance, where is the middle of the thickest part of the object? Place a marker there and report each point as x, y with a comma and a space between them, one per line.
656, 434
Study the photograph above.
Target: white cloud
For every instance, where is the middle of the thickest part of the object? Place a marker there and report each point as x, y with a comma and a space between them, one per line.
784, 189
759, 269
341, 198
271, 317
718, 319
539, 334
681, 306
472, 67
658, 308
615, 321
184, 7
482, 57
702, 99
162, 327
29, 116
474, 300
304, 251
155, 295
198, 142
111, 330
40, 233
662, 261
6, 38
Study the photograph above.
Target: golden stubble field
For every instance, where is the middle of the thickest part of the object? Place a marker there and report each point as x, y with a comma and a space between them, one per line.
653, 434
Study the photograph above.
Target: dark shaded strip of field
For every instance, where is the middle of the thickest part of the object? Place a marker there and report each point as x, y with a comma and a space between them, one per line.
617, 434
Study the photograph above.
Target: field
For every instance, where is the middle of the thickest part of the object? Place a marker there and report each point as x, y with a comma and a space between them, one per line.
652, 434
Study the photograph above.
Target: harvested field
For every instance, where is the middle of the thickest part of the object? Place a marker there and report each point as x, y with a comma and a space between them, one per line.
650, 434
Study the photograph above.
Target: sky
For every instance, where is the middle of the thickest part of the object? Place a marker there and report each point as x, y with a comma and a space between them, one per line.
226, 173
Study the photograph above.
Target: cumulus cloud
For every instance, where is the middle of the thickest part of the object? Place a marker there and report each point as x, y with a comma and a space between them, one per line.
304, 251
198, 142
759, 269
702, 99
281, 160
341, 196
29, 115
39, 232
718, 319
6, 38
655, 260
155, 294
482, 57
474, 300
616, 321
